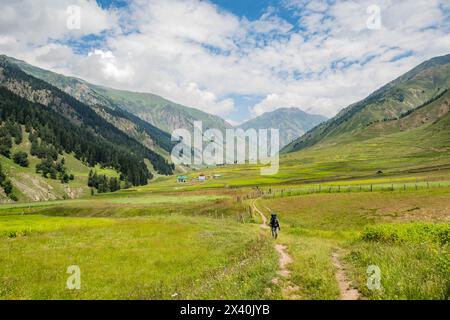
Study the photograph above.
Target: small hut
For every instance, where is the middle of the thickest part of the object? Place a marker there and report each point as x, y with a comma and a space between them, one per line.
181, 179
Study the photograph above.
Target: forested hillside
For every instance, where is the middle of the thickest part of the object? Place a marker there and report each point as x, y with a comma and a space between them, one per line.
57, 124
133, 126
51, 134
149, 108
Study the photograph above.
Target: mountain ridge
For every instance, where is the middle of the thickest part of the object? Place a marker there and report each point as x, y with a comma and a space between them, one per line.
405, 93
154, 109
292, 122
81, 115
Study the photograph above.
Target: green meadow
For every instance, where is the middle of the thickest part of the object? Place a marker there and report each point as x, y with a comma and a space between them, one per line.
142, 245
141, 258
405, 234
369, 203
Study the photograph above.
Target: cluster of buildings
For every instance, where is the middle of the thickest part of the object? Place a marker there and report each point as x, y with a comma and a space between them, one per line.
201, 177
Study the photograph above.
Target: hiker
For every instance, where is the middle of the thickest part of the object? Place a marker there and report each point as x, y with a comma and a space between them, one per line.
274, 225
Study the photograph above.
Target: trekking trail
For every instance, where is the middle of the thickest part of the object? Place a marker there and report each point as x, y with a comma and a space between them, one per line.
263, 217
288, 289
345, 289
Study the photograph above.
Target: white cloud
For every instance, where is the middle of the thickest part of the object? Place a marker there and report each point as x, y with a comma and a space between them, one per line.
110, 67
194, 53
37, 22
203, 99
343, 36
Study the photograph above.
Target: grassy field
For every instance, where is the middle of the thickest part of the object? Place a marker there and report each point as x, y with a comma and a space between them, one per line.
378, 228
421, 153
144, 258
141, 245
170, 240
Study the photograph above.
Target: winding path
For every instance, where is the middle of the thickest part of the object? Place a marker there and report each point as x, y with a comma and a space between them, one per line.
346, 291
288, 289
263, 217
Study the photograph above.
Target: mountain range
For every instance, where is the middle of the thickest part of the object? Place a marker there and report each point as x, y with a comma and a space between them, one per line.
159, 112
57, 119
150, 119
292, 123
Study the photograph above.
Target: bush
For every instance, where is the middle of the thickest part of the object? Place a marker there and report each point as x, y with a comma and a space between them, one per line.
8, 187
65, 178
21, 158
5, 150
410, 232
13, 197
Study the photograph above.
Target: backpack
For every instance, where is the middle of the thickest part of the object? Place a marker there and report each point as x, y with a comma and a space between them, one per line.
274, 220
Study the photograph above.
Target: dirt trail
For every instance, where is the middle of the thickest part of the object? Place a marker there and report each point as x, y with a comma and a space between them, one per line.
288, 289
345, 288
263, 217
284, 260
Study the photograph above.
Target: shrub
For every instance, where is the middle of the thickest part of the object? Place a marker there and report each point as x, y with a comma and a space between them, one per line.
13, 197
8, 187
65, 178
5, 150
21, 158
410, 232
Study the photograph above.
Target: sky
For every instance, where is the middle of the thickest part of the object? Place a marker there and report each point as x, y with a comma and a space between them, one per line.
233, 58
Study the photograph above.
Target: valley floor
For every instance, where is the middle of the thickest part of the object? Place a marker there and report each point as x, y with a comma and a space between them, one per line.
208, 243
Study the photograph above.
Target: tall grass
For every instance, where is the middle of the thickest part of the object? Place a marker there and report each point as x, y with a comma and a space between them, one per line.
414, 260
411, 232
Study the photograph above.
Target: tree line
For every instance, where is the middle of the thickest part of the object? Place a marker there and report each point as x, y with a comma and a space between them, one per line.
104, 183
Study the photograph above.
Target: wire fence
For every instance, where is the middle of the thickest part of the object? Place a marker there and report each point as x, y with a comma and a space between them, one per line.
268, 193
386, 187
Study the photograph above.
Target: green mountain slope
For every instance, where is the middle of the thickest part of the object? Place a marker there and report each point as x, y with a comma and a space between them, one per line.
81, 129
292, 123
421, 85
159, 112
142, 131
416, 143
30, 186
